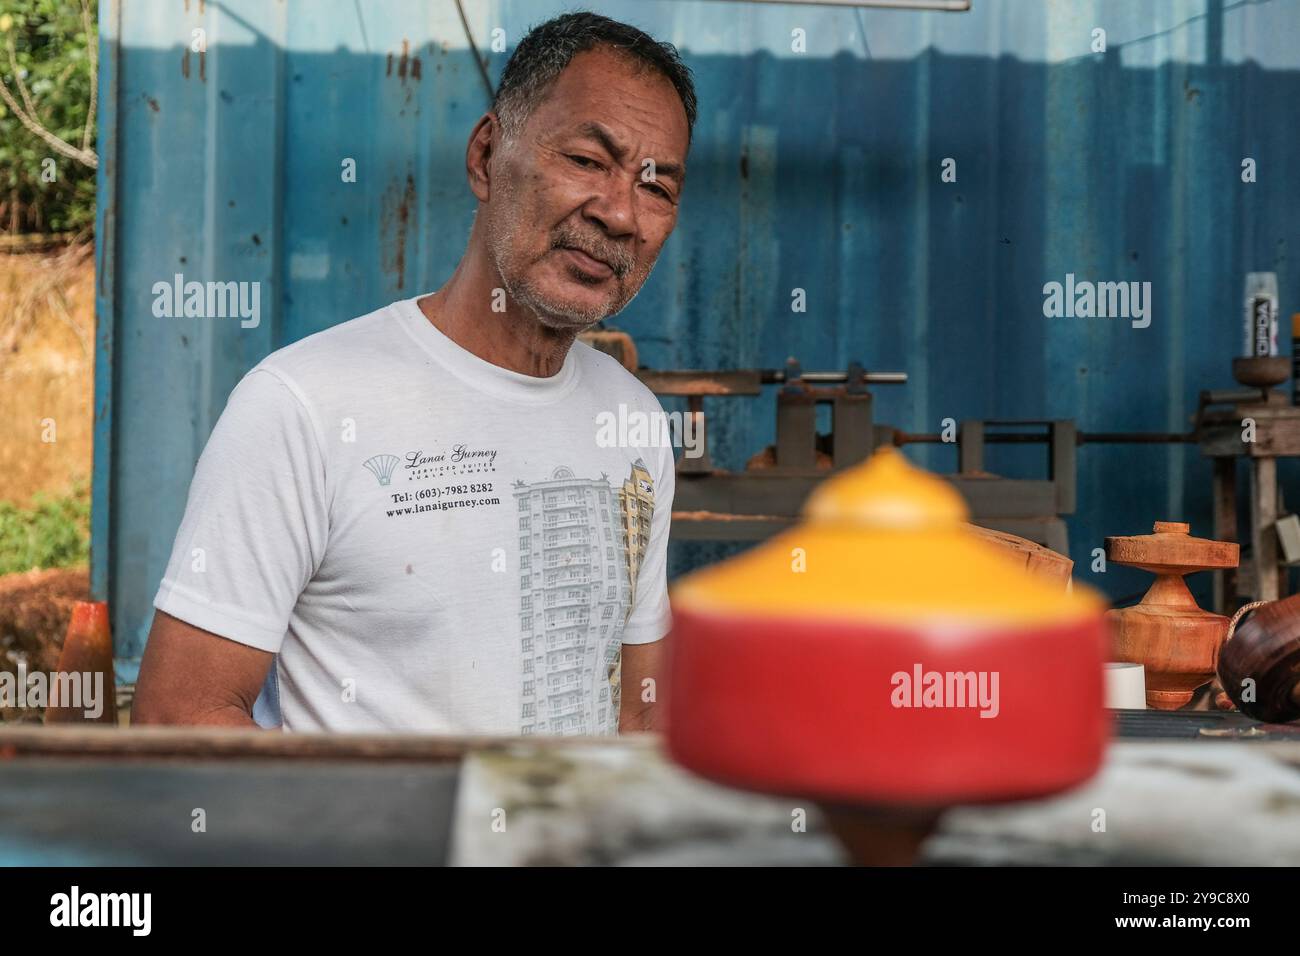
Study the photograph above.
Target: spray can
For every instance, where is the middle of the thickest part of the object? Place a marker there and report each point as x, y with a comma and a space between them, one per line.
1261, 314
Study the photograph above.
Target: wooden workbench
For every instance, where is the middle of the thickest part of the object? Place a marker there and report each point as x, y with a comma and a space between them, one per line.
78, 797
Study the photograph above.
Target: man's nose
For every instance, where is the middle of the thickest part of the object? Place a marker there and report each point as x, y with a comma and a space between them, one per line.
614, 208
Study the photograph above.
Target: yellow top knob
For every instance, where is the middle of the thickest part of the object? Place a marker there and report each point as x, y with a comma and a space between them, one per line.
883, 541
887, 493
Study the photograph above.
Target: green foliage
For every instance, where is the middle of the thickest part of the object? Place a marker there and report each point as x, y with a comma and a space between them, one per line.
53, 533
49, 45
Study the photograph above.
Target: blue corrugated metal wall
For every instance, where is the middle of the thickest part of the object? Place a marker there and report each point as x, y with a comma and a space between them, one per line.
817, 170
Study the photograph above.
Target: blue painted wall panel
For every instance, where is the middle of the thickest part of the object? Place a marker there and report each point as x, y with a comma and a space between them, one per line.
818, 171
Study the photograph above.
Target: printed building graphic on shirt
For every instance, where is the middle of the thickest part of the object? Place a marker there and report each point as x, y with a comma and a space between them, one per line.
581, 542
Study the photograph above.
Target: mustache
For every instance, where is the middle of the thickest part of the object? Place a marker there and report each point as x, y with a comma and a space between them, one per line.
618, 258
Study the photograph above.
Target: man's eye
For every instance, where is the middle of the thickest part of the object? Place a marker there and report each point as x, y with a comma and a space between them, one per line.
659, 191
584, 162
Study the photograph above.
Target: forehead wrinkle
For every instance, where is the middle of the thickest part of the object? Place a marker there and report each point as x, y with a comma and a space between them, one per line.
600, 134
605, 137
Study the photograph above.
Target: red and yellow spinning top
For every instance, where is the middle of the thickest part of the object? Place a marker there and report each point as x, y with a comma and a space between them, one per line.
881, 653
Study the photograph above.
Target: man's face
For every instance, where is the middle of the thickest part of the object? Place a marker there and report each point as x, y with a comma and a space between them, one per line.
576, 213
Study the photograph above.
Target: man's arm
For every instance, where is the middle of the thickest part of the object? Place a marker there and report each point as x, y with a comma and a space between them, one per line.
255, 529
193, 677
644, 640
638, 709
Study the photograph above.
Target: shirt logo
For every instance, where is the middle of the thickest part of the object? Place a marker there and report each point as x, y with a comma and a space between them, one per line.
381, 466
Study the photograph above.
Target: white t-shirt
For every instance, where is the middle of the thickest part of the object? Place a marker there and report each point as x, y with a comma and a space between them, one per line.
427, 541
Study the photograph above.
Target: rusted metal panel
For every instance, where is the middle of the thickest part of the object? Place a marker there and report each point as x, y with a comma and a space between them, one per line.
818, 171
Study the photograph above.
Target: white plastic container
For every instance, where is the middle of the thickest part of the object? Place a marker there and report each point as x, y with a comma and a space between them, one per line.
1126, 686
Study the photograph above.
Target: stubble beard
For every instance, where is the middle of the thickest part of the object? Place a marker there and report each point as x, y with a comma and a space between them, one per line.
554, 313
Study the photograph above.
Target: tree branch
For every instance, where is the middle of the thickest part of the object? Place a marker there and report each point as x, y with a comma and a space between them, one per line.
18, 77
87, 157
28, 117
92, 51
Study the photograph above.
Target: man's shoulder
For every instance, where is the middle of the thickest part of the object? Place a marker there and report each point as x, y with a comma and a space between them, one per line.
346, 344
608, 376
610, 385
344, 359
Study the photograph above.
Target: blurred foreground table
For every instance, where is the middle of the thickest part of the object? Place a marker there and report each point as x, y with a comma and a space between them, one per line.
1227, 793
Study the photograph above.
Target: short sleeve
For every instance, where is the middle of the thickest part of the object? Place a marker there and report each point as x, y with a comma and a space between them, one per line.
256, 520
651, 616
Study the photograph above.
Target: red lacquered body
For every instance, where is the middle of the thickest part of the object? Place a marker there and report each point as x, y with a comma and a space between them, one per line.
786, 706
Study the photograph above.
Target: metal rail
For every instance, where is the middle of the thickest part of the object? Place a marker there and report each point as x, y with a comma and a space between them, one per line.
1081, 438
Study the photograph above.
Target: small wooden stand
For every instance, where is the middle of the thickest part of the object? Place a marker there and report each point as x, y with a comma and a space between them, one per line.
1176, 641
1261, 426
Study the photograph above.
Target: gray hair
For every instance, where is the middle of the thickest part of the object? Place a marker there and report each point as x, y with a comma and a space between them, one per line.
547, 49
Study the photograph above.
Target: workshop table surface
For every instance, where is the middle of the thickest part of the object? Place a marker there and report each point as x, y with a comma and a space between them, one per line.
1219, 799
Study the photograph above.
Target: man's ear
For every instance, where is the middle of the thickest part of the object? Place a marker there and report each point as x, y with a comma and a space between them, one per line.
478, 155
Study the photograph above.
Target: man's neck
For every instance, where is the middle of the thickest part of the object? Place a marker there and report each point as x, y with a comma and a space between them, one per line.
514, 339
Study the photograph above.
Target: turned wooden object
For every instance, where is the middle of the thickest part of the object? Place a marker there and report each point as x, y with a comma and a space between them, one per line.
1167, 633
1259, 666
836, 678
1039, 561
87, 652
1262, 371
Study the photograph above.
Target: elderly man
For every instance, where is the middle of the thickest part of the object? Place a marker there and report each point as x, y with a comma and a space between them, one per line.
406, 522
